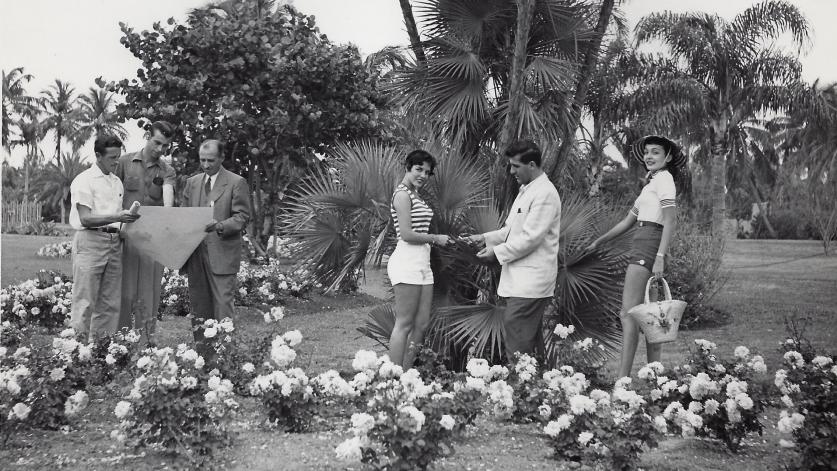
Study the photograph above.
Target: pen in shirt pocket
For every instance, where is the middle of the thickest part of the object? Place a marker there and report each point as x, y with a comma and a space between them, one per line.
519, 210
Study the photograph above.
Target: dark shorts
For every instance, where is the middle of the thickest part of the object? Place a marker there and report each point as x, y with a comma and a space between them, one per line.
644, 246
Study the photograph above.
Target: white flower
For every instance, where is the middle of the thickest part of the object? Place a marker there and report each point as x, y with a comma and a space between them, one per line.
189, 382
57, 374
478, 367
19, 411
143, 361
21, 352
789, 423
744, 401
210, 332
794, 359
711, 406
705, 345
122, 409
447, 422
580, 404
564, 331
555, 427
277, 313
281, 354
584, 438
821, 361
67, 333
248, 367
786, 400
75, 403
293, 338
544, 411
757, 364
416, 418
351, 450
365, 360
110, 359
622, 382
741, 352
661, 424
85, 353
362, 424
786, 443
118, 435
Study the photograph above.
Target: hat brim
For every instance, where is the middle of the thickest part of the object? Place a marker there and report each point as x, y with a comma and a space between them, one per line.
678, 158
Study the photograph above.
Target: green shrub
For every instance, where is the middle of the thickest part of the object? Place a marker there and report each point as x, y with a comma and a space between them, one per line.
694, 273
789, 224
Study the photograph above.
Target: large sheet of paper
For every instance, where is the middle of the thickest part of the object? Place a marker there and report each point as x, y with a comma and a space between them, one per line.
168, 235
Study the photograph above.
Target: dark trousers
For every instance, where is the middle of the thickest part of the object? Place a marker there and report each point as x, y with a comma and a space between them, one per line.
211, 295
522, 323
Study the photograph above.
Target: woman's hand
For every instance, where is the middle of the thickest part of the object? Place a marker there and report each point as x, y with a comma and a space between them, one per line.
442, 240
659, 266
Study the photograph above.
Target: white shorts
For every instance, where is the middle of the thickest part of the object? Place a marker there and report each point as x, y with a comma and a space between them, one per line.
410, 264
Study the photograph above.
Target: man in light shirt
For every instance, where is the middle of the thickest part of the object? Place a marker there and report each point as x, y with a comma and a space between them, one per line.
97, 216
527, 248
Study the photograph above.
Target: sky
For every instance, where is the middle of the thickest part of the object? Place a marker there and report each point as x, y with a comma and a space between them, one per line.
77, 41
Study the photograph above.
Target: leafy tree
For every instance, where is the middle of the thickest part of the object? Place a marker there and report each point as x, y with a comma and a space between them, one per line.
59, 105
16, 102
97, 115
267, 82
721, 74
55, 180
30, 135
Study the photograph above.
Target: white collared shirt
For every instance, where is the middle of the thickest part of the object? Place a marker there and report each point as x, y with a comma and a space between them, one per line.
99, 192
659, 193
212, 179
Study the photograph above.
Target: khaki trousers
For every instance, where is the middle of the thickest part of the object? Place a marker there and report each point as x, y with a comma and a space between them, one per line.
97, 283
141, 287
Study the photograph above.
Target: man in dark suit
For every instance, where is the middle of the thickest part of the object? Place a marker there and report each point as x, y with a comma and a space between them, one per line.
212, 267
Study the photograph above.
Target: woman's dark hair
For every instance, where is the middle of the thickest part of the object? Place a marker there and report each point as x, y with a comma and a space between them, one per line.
105, 141
419, 157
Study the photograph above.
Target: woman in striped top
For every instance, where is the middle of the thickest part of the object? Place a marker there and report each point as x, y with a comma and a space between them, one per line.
654, 213
409, 265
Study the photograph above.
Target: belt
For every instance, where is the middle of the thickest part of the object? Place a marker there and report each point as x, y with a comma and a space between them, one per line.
648, 223
108, 229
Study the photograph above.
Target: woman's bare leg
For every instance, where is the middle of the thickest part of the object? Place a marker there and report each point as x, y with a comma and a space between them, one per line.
633, 293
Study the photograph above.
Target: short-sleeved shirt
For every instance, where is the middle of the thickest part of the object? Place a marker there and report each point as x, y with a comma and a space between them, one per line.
420, 212
99, 192
143, 181
659, 193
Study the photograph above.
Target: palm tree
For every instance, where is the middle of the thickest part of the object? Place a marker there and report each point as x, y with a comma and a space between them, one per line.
721, 74
340, 218
97, 115
30, 134
16, 102
59, 105
55, 181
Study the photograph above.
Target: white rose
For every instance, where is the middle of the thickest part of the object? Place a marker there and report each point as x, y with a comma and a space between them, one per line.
19, 411
447, 422
210, 332
122, 409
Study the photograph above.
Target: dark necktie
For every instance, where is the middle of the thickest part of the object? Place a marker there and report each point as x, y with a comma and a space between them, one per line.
207, 188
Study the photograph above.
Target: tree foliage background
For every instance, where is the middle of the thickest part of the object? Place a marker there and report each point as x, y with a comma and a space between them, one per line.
266, 82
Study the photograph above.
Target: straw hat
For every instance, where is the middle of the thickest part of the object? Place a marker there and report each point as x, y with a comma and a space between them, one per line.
678, 158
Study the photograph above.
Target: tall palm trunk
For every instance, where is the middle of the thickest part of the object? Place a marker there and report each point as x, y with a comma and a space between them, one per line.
718, 168
582, 87
412, 31
511, 127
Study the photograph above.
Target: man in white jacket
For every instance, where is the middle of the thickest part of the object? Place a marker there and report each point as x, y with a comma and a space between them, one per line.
527, 248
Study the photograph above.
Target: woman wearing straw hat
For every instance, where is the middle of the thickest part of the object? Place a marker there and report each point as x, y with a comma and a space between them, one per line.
654, 214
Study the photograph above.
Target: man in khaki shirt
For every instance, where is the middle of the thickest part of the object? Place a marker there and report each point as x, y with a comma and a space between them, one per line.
150, 180
97, 217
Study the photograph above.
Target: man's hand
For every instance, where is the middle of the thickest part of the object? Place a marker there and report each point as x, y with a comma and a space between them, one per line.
475, 239
126, 216
487, 254
211, 226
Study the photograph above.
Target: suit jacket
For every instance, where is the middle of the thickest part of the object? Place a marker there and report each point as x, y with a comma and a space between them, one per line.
527, 245
231, 207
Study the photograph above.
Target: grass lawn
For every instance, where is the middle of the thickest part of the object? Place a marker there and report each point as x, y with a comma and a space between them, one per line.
19, 261
768, 281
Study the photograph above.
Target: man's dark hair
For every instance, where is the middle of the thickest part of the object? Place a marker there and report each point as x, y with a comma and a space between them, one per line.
163, 127
527, 151
105, 141
419, 157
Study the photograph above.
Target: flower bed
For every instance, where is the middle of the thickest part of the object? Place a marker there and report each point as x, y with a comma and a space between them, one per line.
58, 249
44, 301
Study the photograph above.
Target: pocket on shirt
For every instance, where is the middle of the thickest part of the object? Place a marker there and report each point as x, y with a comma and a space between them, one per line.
132, 184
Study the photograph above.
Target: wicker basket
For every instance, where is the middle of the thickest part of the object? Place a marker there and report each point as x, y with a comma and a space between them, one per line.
659, 320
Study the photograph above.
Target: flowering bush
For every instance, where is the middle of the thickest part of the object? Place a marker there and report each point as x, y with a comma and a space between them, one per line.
285, 392
58, 249
406, 423
11, 335
175, 405
709, 397
593, 426
809, 399
43, 301
44, 387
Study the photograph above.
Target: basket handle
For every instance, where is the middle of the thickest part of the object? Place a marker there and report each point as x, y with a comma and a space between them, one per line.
666, 290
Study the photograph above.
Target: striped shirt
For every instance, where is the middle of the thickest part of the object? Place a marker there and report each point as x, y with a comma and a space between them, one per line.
659, 193
420, 212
